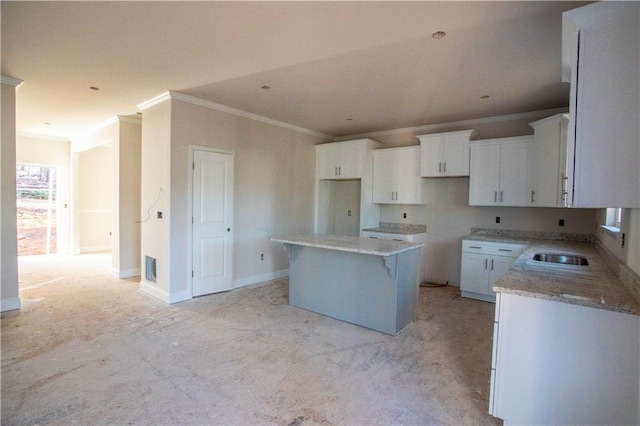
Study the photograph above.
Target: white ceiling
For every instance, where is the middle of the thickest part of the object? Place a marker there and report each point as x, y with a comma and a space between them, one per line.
373, 62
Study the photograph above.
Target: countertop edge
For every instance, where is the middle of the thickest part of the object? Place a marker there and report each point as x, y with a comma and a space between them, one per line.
411, 246
589, 303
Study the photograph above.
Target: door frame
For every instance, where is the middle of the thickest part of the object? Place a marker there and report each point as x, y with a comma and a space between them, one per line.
192, 149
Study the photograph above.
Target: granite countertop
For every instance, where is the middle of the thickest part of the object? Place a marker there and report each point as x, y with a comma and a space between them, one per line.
497, 239
594, 285
350, 244
398, 228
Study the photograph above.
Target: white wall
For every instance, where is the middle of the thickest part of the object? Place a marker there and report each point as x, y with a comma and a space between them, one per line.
273, 186
273, 190
8, 232
54, 153
125, 251
95, 198
155, 195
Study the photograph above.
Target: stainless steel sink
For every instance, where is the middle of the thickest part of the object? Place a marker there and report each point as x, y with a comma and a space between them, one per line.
565, 259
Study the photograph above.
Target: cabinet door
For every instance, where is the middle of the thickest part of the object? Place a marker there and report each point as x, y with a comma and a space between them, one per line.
474, 273
350, 162
431, 158
548, 162
383, 177
484, 180
455, 157
607, 152
408, 182
328, 157
498, 266
516, 168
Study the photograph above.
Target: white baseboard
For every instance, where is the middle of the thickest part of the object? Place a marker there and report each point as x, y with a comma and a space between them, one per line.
169, 298
10, 304
125, 273
260, 278
94, 248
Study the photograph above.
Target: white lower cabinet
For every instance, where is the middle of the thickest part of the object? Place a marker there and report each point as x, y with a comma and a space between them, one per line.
482, 264
557, 363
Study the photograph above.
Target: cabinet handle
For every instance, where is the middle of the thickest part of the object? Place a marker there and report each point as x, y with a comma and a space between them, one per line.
444, 168
532, 196
505, 250
339, 171
485, 263
440, 167
500, 196
492, 264
475, 247
495, 196
335, 171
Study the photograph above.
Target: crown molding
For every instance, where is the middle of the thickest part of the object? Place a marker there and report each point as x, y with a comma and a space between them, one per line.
129, 119
230, 110
11, 81
154, 101
432, 128
41, 136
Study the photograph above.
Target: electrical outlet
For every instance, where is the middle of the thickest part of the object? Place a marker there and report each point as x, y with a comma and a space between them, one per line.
404, 215
159, 215
348, 212
497, 219
561, 222
261, 256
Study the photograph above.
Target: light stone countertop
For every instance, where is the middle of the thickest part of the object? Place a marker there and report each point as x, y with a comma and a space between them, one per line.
594, 285
394, 231
370, 246
398, 228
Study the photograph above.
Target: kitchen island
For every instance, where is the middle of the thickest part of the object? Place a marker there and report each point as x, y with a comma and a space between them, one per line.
371, 283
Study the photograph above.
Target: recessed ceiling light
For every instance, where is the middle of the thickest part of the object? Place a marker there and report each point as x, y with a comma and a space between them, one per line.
484, 97
438, 35
266, 87
94, 88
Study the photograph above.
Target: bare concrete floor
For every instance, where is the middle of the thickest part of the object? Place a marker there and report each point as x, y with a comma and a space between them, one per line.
90, 349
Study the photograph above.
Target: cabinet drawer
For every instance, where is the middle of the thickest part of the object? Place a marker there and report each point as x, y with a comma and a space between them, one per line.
491, 248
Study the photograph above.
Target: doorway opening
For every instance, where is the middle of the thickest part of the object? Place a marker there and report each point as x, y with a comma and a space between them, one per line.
36, 211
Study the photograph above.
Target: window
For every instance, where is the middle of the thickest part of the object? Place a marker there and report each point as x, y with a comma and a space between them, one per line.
613, 220
618, 215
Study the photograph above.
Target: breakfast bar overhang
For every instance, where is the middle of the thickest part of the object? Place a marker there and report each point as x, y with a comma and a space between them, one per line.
368, 282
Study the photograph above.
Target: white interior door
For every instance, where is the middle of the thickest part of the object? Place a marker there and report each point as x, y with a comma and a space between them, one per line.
212, 227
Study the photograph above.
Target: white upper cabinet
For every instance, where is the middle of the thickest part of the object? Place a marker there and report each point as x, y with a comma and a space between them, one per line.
501, 172
343, 160
396, 176
445, 154
601, 56
550, 161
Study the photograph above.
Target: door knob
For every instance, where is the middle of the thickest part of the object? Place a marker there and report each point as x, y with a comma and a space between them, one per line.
228, 229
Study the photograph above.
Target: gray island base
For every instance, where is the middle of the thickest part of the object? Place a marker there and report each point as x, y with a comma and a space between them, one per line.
371, 283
